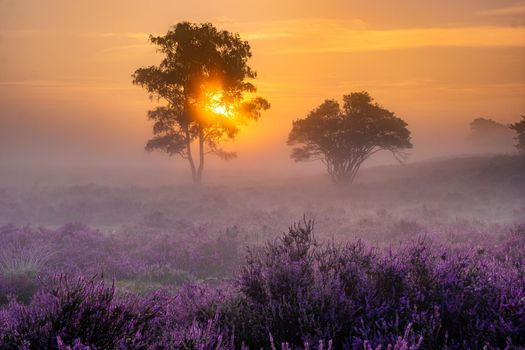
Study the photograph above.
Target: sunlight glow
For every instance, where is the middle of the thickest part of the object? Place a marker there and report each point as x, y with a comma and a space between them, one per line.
215, 103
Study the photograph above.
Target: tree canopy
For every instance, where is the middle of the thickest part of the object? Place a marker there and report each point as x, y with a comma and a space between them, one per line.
489, 136
205, 83
519, 127
344, 137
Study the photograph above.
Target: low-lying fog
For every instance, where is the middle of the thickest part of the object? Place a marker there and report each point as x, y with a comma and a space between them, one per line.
484, 193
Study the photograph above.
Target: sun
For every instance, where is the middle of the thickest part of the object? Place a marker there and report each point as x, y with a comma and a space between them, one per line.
215, 104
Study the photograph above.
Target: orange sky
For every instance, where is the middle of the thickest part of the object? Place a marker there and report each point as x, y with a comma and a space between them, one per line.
65, 70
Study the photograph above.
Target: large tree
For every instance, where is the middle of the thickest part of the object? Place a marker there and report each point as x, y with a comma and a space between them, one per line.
343, 138
519, 127
204, 82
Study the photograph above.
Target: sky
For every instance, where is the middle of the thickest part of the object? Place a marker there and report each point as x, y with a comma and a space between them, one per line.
66, 97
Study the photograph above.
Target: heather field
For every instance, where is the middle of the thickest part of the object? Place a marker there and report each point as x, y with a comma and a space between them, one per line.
426, 256
262, 175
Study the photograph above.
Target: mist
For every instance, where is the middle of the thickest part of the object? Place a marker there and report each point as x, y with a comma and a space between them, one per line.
340, 175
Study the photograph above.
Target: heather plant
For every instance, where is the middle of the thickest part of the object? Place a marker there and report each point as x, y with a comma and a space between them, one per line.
77, 312
83, 314
300, 290
295, 292
197, 335
21, 287
145, 261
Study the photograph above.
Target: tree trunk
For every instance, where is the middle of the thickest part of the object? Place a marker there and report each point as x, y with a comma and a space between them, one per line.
341, 179
190, 157
344, 175
201, 158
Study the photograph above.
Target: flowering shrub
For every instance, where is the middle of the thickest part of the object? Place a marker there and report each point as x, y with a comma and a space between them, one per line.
293, 293
139, 262
77, 312
302, 290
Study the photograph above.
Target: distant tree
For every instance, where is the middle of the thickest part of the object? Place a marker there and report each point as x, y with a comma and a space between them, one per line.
343, 138
489, 136
204, 81
519, 127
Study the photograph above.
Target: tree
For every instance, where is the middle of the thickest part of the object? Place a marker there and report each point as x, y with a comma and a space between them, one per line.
204, 82
519, 127
489, 136
343, 138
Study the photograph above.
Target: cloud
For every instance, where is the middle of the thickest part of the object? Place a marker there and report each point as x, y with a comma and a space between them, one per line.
128, 48
32, 83
265, 35
301, 36
65, 85
304, 36
516, 9
374, 40
29, 33
293, 28
127, 35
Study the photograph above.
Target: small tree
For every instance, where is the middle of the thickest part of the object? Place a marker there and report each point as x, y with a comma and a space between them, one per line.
204, 81
519, 127
343, 138
489, 136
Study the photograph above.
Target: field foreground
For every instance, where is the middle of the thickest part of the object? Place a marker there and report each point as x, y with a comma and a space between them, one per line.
412, 260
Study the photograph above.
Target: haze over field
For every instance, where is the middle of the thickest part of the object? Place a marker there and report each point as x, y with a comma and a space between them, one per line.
284, 175
68, 102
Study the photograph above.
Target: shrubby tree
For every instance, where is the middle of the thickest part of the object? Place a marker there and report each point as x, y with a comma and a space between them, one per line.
519, 127
204, 82
343, 138
490, 136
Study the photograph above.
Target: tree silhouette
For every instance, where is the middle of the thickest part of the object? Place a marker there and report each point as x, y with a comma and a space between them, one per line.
204, 80
519, 127
343, 138
490, 136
